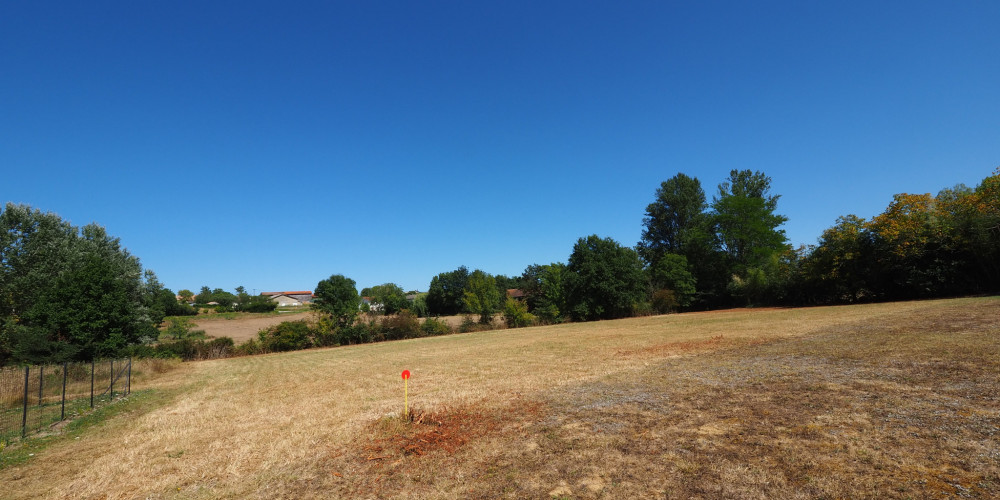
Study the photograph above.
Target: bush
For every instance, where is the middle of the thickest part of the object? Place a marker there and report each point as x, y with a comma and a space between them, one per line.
434, 326
258, 304
516, 315
665, 301
186, 349
403, 325
469, 324
287, 336
249, 348
358, 333
548, 314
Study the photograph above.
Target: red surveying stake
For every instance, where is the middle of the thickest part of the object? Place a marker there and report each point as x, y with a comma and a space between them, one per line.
406, 409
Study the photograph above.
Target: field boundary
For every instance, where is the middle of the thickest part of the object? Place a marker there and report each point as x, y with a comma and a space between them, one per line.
34, 397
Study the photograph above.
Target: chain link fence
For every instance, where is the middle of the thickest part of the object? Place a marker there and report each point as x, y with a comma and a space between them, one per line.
33, 398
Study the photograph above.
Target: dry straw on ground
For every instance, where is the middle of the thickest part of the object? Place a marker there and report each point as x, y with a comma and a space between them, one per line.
892, 400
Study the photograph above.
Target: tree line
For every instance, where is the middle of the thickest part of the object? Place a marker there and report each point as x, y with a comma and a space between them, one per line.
74, 293
698, 254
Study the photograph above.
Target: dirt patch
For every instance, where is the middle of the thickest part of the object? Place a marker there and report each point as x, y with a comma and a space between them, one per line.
394, 454
245, 328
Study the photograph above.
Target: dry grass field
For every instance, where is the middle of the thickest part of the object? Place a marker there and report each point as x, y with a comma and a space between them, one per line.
896, 400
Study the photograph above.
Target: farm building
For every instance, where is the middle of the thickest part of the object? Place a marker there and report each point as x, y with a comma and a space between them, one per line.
296, 298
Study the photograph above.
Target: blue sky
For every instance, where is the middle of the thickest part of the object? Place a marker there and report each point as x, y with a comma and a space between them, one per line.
272, 144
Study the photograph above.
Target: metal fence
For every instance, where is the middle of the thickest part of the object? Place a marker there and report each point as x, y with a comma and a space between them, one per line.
33, 398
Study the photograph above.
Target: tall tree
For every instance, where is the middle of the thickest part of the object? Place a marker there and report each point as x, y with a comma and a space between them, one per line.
744, 213
446, 293
65, 292
678, 209
604, 279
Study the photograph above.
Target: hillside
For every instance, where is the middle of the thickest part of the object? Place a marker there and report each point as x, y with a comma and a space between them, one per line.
888, 400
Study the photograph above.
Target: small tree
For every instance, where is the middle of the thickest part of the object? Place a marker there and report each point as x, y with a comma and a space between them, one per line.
516, 315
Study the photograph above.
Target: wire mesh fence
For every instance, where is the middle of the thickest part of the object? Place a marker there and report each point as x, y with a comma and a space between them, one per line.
33, 398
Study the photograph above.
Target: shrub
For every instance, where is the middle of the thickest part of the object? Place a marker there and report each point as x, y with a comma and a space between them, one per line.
403, 325
358, 333
665, 301
249, 348
286, 336
516, 315
548, 314
434, 326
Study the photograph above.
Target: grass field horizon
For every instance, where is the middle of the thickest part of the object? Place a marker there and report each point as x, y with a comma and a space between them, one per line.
881, 400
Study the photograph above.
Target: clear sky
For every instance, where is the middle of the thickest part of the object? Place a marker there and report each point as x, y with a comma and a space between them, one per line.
272, 144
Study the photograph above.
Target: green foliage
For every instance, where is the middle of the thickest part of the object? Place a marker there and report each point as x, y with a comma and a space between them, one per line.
403, 325
180, 328
256, 304
419, 305
482, 296
217, 295
678, 210
747, 225
338, 297
545, 291
287, 336
516, 315
187, 349
671, 272
66, 292
434, 326
387, 298
446, 293
664, 301
604, 279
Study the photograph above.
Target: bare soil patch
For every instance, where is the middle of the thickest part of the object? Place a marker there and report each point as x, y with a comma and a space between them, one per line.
244, 328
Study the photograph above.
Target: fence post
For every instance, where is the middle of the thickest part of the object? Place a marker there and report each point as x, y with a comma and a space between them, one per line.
112, 380
41, 373
62, 414
91, 383
129, 380
24, 410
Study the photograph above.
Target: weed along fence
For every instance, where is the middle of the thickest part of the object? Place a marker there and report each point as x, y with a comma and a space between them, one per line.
35, 397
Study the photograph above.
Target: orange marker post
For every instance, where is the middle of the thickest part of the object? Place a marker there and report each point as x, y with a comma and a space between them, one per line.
406, 409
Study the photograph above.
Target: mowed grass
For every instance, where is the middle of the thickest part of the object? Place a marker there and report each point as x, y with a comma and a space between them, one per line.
896, 400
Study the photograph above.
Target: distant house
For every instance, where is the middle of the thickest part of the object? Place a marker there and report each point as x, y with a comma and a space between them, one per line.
515, 293
285, 300
302, 296
372, 305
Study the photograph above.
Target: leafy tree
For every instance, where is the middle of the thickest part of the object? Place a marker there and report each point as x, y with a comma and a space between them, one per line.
482, 296
419, 305
679, 208
838, 269
744, 214
66, 293
671, 273
338, 297
446, 293
186, 295
545, 290
389, 296
604, 279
